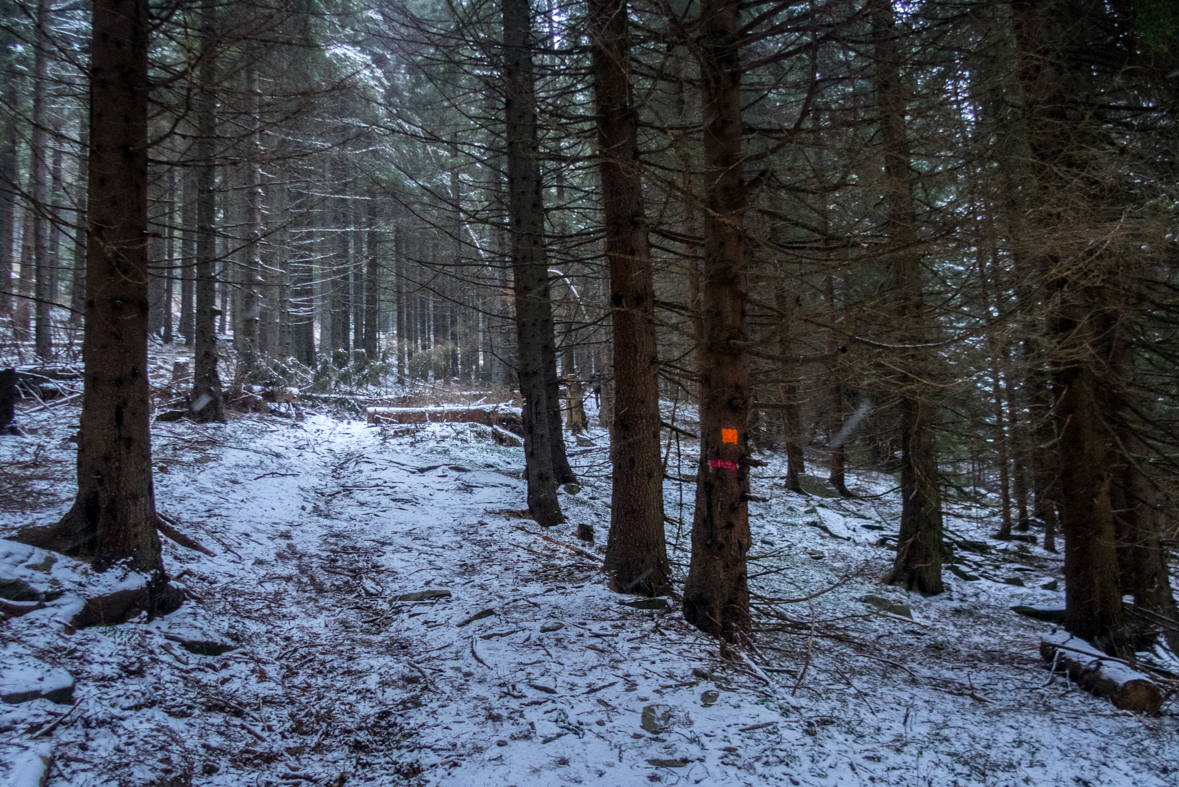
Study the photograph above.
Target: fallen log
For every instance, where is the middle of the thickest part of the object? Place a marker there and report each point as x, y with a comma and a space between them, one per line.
493, 415
1101, 674
32, 767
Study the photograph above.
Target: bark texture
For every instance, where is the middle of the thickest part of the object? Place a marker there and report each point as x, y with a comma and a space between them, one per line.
372, 282
1083, 328
716, 594
918, 564
39, 164
636, 550
113, 519
534, 316
207, 403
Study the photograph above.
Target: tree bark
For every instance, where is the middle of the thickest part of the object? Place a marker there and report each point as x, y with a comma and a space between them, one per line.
207, 404
998, 353
716, 594
788, 389
339, 298
357, 269
302, 306
188, 225
400, 296
155, 255
168, 228
372, 282
280, 254
837, 459
636, 550
248, 322
1019, 447
1142, 555
8, 181
39, 166
918, 564
113, 519
1116, 682
1082, 326
534, 317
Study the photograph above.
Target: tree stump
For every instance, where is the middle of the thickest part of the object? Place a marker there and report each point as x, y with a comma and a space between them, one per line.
9, 393
575, 397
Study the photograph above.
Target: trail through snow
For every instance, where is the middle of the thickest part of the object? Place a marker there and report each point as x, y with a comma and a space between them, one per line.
393, 619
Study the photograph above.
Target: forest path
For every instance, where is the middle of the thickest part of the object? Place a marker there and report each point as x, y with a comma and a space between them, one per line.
392, 620
406, 623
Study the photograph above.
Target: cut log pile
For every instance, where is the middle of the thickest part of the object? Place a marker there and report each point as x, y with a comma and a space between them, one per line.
500, 417
1101, 674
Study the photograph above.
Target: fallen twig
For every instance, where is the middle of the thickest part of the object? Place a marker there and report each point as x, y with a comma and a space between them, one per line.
761, 726
48, 728
167, 525
570, 547
476, 654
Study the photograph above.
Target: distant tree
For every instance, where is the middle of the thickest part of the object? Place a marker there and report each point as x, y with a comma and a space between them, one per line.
39, 175
8, 159
918, 564
207, 403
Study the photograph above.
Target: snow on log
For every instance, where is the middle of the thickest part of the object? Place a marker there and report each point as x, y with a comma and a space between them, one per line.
1101, 674
32, 767
493, 415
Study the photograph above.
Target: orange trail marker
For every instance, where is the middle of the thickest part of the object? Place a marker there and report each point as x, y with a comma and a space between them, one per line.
729, 436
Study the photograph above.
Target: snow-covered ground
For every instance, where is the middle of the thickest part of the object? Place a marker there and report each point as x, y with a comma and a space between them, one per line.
512, 664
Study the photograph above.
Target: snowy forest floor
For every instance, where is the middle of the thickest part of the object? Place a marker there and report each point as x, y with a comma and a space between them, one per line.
521, 668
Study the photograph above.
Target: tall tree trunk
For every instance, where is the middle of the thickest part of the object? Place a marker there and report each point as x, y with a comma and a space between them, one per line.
372, 281
1093, 594
281, 252
155, 254
837, 425
221, 271
1083, 329
206, 402
716, 594
22, 320
188, 236
302, 307
359, 269
271, 254
1019, 447
78, 283
918, 564
694, 251
249, 320
56, 199
636, 551
534, 317
788, 389
440, 311
998, 353
8, 188
113, 520
39, 174
1036, 448
456, 199
169, 229
400, 296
